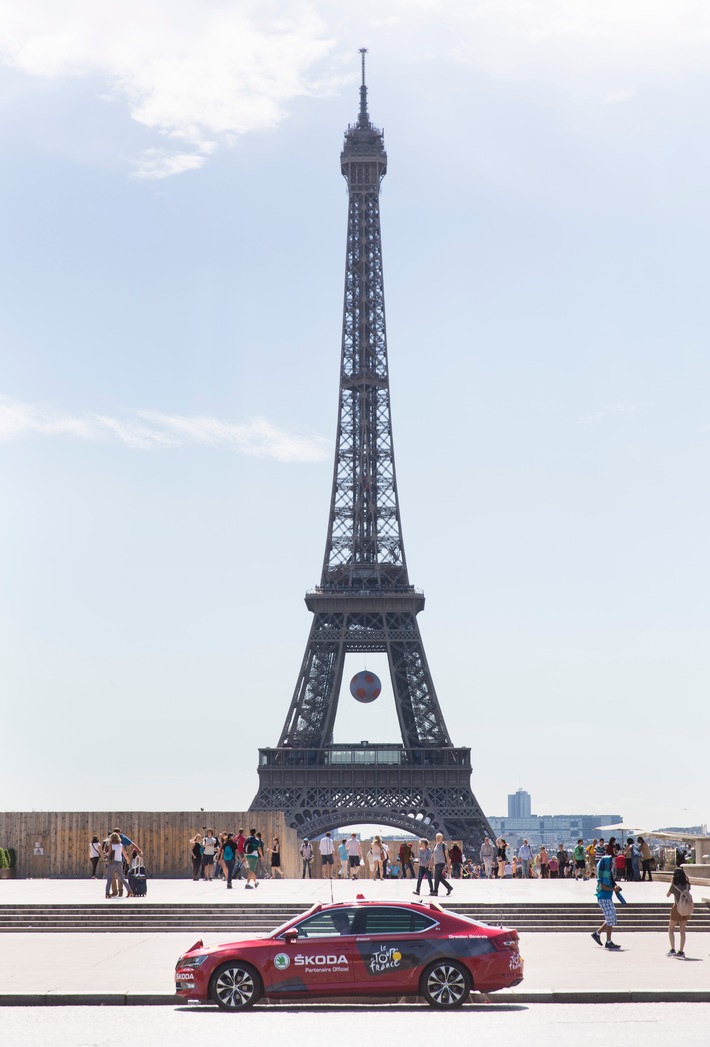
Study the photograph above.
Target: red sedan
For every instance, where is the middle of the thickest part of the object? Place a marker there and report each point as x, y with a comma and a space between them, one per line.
359, 948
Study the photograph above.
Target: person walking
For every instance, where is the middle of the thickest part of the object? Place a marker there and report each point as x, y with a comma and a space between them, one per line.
681, 911
196, 855
116, 857
580, 863
526, 856
590, 851
487, 853
375, 856
209, 848
306, 858
424, 859
646, 859
562, 859
327, 847
543, 860
502, 854
405, 857
94, 855
251, 857
440, 857
456, 859
343, 859
607, 887
354, 855
228, 857
275, 859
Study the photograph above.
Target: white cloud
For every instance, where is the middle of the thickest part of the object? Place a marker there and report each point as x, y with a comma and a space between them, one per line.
616, 97
195, 72
150, 430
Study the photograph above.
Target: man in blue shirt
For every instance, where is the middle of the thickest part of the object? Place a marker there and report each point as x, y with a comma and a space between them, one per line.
606, 889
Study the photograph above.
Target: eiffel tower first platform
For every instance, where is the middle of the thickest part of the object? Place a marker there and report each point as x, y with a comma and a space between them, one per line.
364, 602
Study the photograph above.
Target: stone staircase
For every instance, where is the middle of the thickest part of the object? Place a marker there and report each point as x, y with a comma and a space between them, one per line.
142, 916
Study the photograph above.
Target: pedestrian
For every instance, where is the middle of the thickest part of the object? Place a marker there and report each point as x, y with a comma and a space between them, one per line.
440, 858
251, 857
424, 859
592, 859
487, 852
553, 867
375, 857
636, 862
600, 850
209, 849
116, 858
306, 858
620, 864
606, 888
405, 857
275, 859
646, 858
562, 859
196, 855
228, 856
681, 911
94, 855
343, 859
456, 859
502, 854
219, 869
327, 847
543, 860
354, 855
525, 855
580, 864
261, 870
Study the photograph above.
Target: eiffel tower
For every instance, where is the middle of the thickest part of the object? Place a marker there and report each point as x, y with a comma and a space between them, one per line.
364, 602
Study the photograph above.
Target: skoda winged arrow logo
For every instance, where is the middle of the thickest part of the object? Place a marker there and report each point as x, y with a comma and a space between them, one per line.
281, 961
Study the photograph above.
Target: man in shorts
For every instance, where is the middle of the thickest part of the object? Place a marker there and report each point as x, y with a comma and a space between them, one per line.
606, 889
354, 855
251, 857
327, 847
580, 861
209, 845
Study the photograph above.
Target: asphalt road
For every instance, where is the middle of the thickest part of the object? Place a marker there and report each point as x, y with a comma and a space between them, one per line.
636, 1025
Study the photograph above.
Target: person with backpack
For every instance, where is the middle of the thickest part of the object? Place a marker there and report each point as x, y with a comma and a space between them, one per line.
681, 911
251, 856
607, 887
405, 858
440, 857
228, 856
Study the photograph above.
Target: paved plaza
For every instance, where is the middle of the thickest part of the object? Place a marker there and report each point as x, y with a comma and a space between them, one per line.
117, 967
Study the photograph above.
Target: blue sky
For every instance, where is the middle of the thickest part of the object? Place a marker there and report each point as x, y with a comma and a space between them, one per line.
173, 230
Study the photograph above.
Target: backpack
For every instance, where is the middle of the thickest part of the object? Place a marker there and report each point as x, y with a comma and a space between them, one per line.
228, 852
251, 845
684, 903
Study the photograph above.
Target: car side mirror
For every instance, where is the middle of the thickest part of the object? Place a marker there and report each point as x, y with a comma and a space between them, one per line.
291, 935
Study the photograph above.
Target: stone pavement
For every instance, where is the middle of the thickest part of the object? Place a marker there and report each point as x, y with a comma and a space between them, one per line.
137, 968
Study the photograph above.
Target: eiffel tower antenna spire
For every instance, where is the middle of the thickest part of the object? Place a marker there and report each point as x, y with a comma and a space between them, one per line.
365, 603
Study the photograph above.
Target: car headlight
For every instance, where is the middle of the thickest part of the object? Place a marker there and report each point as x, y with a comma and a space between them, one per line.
190, 961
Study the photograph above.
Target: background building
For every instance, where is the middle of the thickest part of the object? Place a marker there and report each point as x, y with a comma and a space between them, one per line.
550, 829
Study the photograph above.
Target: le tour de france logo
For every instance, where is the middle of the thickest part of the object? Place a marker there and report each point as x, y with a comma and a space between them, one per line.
385, 959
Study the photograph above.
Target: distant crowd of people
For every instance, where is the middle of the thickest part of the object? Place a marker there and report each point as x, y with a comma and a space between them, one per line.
232, 856
633, 860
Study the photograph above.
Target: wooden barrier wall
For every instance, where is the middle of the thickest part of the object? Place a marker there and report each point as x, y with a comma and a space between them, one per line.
56, 843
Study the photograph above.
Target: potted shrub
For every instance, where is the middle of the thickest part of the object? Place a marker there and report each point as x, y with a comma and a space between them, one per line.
8, 862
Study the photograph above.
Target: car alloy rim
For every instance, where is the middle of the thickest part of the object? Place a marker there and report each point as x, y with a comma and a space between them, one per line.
446, 984
235, 987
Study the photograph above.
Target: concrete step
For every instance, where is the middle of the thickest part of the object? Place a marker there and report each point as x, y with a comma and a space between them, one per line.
143, 916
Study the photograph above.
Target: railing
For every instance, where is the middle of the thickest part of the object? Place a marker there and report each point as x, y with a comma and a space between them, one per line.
365, 756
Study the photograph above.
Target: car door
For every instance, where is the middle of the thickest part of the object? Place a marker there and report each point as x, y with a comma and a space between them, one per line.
391, 946
318, 960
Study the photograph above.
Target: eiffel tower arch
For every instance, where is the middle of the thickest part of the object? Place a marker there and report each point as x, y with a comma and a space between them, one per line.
364, 602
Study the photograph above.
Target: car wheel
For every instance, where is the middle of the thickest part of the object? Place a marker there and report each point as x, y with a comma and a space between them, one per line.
445, 983
235, 986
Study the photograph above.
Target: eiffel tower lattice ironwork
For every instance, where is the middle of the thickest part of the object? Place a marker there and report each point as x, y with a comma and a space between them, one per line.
364, 602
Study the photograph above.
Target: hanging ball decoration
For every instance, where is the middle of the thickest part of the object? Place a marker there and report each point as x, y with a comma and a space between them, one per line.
365, 686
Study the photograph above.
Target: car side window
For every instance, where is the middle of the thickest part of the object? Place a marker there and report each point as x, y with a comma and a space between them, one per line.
330, 924
383, 919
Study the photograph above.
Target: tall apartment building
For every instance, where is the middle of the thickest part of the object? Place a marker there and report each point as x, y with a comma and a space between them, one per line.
519, 804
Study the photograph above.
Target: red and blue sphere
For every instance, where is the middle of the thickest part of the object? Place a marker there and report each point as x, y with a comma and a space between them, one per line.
365, 687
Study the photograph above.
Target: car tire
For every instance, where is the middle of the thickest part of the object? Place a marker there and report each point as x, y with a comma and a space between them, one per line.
445, 983
235, 986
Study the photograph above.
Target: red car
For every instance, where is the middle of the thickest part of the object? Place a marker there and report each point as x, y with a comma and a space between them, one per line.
359, 948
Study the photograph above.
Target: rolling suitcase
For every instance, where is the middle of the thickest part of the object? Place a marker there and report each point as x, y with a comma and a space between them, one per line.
137, 880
